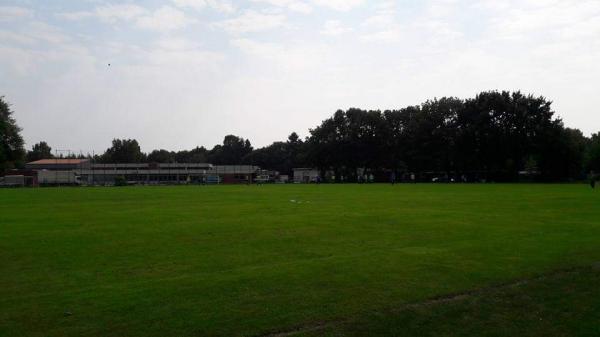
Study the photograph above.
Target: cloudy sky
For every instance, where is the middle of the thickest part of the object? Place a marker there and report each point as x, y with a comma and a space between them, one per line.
186, 72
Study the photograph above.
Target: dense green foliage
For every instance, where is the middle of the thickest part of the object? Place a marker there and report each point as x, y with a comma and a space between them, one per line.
11, 143
280, 156
123, 151
593, 154
232, 151
245, 260
493, 136
39, 151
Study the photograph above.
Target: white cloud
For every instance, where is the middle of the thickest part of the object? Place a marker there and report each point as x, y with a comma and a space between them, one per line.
12, 37
36, 49
46, 33
383, 26
9, 13
32, 34
296, 56
176, 43
165, 18
195, 4
75, 16
391, 34
218, 5
260, 49
334, 28
221, 5
441, 8
544, 17
252, 21
293, 5
124, 12
379, 21
340, 5
108, 13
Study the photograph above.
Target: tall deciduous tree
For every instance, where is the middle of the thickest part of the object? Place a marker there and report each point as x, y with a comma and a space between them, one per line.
592, 154
123, 151
161, 156
39, 151
491, 136
232, 152
12, 152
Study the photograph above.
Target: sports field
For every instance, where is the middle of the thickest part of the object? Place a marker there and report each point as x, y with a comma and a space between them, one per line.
307, 260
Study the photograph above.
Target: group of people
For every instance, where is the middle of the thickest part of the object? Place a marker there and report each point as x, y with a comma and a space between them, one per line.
393, 177
365, 178
412, 177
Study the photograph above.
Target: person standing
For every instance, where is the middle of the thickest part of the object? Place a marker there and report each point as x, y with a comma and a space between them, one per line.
393, 177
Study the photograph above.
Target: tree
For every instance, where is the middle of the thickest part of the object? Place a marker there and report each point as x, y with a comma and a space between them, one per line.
293, 138
491, 136
39, 151
571, 154
296, 153
232, 152
12, 152
279, 156
592, 154
274, 157
497, 132
161, 156
123, 151
197, 155
327, 145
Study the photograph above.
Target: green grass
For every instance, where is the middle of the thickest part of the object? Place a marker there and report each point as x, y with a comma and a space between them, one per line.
246, 260
565, 303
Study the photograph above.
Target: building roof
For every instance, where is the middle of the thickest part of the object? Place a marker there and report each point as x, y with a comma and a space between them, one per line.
58, 161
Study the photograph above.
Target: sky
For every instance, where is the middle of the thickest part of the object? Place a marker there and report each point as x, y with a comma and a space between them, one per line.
175, 74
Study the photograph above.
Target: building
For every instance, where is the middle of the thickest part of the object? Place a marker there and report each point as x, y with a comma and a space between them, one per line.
12, 181
82, 171
144, 173
58, 164
235, 174
19, 178
305, 175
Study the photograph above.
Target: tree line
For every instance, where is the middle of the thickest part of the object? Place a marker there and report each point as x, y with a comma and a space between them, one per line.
494, 136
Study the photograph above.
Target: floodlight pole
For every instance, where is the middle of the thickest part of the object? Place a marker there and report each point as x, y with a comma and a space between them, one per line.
92, 167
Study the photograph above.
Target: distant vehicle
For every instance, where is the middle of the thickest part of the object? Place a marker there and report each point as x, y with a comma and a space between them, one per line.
213, 179
13, 181
58, 178
262, 179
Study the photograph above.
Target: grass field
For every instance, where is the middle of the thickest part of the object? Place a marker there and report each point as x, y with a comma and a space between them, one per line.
339, 260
